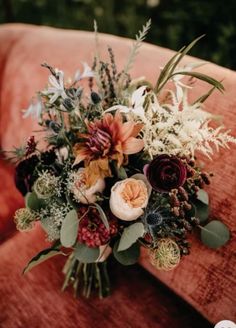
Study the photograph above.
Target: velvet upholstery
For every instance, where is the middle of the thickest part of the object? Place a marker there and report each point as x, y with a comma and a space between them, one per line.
206, 279
10, 200
35, 300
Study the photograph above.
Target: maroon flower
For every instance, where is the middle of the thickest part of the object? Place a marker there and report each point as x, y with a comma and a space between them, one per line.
31, 146
166, 172
92, 230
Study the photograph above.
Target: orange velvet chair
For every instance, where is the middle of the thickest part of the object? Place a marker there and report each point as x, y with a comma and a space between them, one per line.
206, 279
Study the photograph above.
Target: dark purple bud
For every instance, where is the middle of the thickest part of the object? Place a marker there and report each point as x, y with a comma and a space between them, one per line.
95, 98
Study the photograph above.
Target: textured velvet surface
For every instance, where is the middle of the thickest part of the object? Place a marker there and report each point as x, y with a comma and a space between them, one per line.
35, 300
206, 279
10, 200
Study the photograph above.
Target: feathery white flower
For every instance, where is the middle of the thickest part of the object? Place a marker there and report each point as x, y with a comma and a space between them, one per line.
175, 127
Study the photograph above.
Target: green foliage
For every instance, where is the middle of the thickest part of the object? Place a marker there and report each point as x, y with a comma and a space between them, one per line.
174, 22
202, 211
41, 257
201, 206
202, 195
86, 254
127, 257
130, 235
215, 234
103, 216
69, 229
33, 202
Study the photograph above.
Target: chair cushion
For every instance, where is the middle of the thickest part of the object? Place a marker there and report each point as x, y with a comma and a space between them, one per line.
10, 200
35, 300
206, 279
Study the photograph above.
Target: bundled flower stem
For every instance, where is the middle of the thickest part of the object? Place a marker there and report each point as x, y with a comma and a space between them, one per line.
86, 277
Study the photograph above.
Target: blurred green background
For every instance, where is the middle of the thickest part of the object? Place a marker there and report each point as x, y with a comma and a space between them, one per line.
174, 22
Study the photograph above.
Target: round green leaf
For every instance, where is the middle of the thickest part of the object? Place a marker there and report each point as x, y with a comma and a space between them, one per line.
69, 229
33, 202
130, 235
86, 254
201, 211
202, 195
215, 234
129, 256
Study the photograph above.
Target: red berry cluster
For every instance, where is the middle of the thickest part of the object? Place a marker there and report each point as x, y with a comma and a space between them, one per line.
92, 230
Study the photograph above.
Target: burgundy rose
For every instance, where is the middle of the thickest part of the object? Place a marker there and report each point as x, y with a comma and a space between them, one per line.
166, 172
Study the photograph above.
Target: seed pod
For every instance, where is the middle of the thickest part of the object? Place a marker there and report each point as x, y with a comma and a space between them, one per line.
190, 171
191, 162
187, 225
96, 99
205, 177
195, 221
183, 193
55, 127
187, 206
166, 256
175, 211
174, 200
68, 104
181, 213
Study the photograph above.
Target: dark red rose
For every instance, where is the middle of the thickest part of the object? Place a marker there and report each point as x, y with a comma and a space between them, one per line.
166, 172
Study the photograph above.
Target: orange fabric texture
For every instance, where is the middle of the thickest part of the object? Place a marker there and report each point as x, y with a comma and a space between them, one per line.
10, 200
35, 300
206, 278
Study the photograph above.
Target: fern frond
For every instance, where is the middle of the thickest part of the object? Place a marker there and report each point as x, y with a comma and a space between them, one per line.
140, 37
95, 26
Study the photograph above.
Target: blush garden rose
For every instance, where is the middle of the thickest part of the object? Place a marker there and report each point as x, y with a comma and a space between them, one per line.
128, 198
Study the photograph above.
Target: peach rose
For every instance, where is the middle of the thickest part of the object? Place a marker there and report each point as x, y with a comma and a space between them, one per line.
128, 198
82, 193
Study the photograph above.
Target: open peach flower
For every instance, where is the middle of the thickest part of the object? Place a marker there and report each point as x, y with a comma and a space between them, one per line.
107, 139
79, 188
128, 198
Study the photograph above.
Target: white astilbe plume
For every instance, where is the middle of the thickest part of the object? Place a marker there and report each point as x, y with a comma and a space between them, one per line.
176, 127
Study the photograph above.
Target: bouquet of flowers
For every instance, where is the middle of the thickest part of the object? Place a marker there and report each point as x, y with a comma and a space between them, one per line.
117, 168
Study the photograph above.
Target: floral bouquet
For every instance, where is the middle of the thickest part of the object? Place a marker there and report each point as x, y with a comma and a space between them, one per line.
117, 168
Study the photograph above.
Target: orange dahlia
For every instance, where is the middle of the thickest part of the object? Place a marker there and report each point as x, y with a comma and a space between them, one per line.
107, 139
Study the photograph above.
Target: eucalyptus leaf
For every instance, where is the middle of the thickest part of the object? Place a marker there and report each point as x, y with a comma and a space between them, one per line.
121, 173
41, 257
215, 234
130, 235
69, 229
102, 216
129, 256
202, 211
86, 254
33, 202
202, 195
